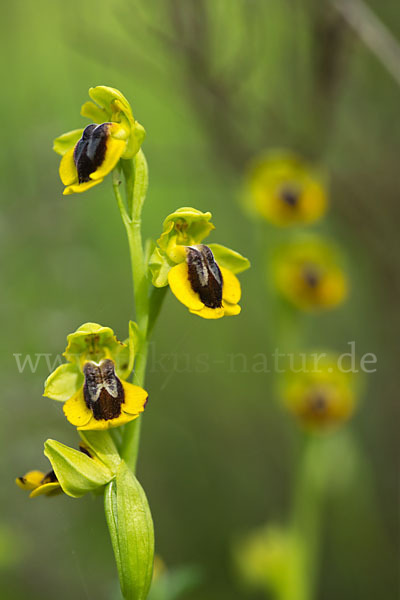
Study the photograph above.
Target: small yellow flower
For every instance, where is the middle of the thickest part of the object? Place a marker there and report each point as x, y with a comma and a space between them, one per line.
202, 277
104, 400
89, 154
308, 274
322, 396
285, 190
39, 483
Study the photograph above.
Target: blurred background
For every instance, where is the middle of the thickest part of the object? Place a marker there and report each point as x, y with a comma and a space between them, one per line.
214, 83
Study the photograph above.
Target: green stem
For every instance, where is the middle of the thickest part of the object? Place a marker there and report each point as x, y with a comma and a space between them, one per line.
136, 178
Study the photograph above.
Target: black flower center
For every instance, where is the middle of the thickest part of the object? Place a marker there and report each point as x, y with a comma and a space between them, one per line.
312, 275
318, 403
290, 195
204, 275
90, 150
103, 391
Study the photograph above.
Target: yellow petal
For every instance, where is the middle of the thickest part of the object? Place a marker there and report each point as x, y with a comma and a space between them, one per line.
209, 313
231, 310
95, 424
231, 291
76, 188
30, 480
67, 170
76, 411
47, 489
178, 279
135, 398
114, 150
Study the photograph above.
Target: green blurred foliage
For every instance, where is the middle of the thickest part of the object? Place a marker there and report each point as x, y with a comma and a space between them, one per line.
218, 454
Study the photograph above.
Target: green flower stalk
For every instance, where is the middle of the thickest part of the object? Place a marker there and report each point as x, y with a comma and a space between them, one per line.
93, 383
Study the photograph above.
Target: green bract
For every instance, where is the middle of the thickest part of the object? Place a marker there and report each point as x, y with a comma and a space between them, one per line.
76, 472
90, 342
131, 531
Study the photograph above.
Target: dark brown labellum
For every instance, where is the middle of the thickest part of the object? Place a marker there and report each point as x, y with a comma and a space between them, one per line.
204, 275
90, 151
102, 391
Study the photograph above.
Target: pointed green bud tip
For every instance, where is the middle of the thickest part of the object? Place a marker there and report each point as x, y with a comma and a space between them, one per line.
76, 472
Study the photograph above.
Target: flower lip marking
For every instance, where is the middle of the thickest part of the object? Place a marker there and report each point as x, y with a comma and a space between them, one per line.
204, 275
90, 150
103, 392
290, 195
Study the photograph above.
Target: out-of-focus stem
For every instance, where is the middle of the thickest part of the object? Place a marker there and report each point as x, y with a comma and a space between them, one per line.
373, 33
307, 518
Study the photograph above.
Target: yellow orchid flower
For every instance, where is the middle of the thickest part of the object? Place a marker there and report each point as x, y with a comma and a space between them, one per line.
89, 154
92, 383
202, 277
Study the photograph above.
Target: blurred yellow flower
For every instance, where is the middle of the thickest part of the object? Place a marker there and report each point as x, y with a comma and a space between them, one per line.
89, 154
308, 274
285, 190
322, 395
264, 559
